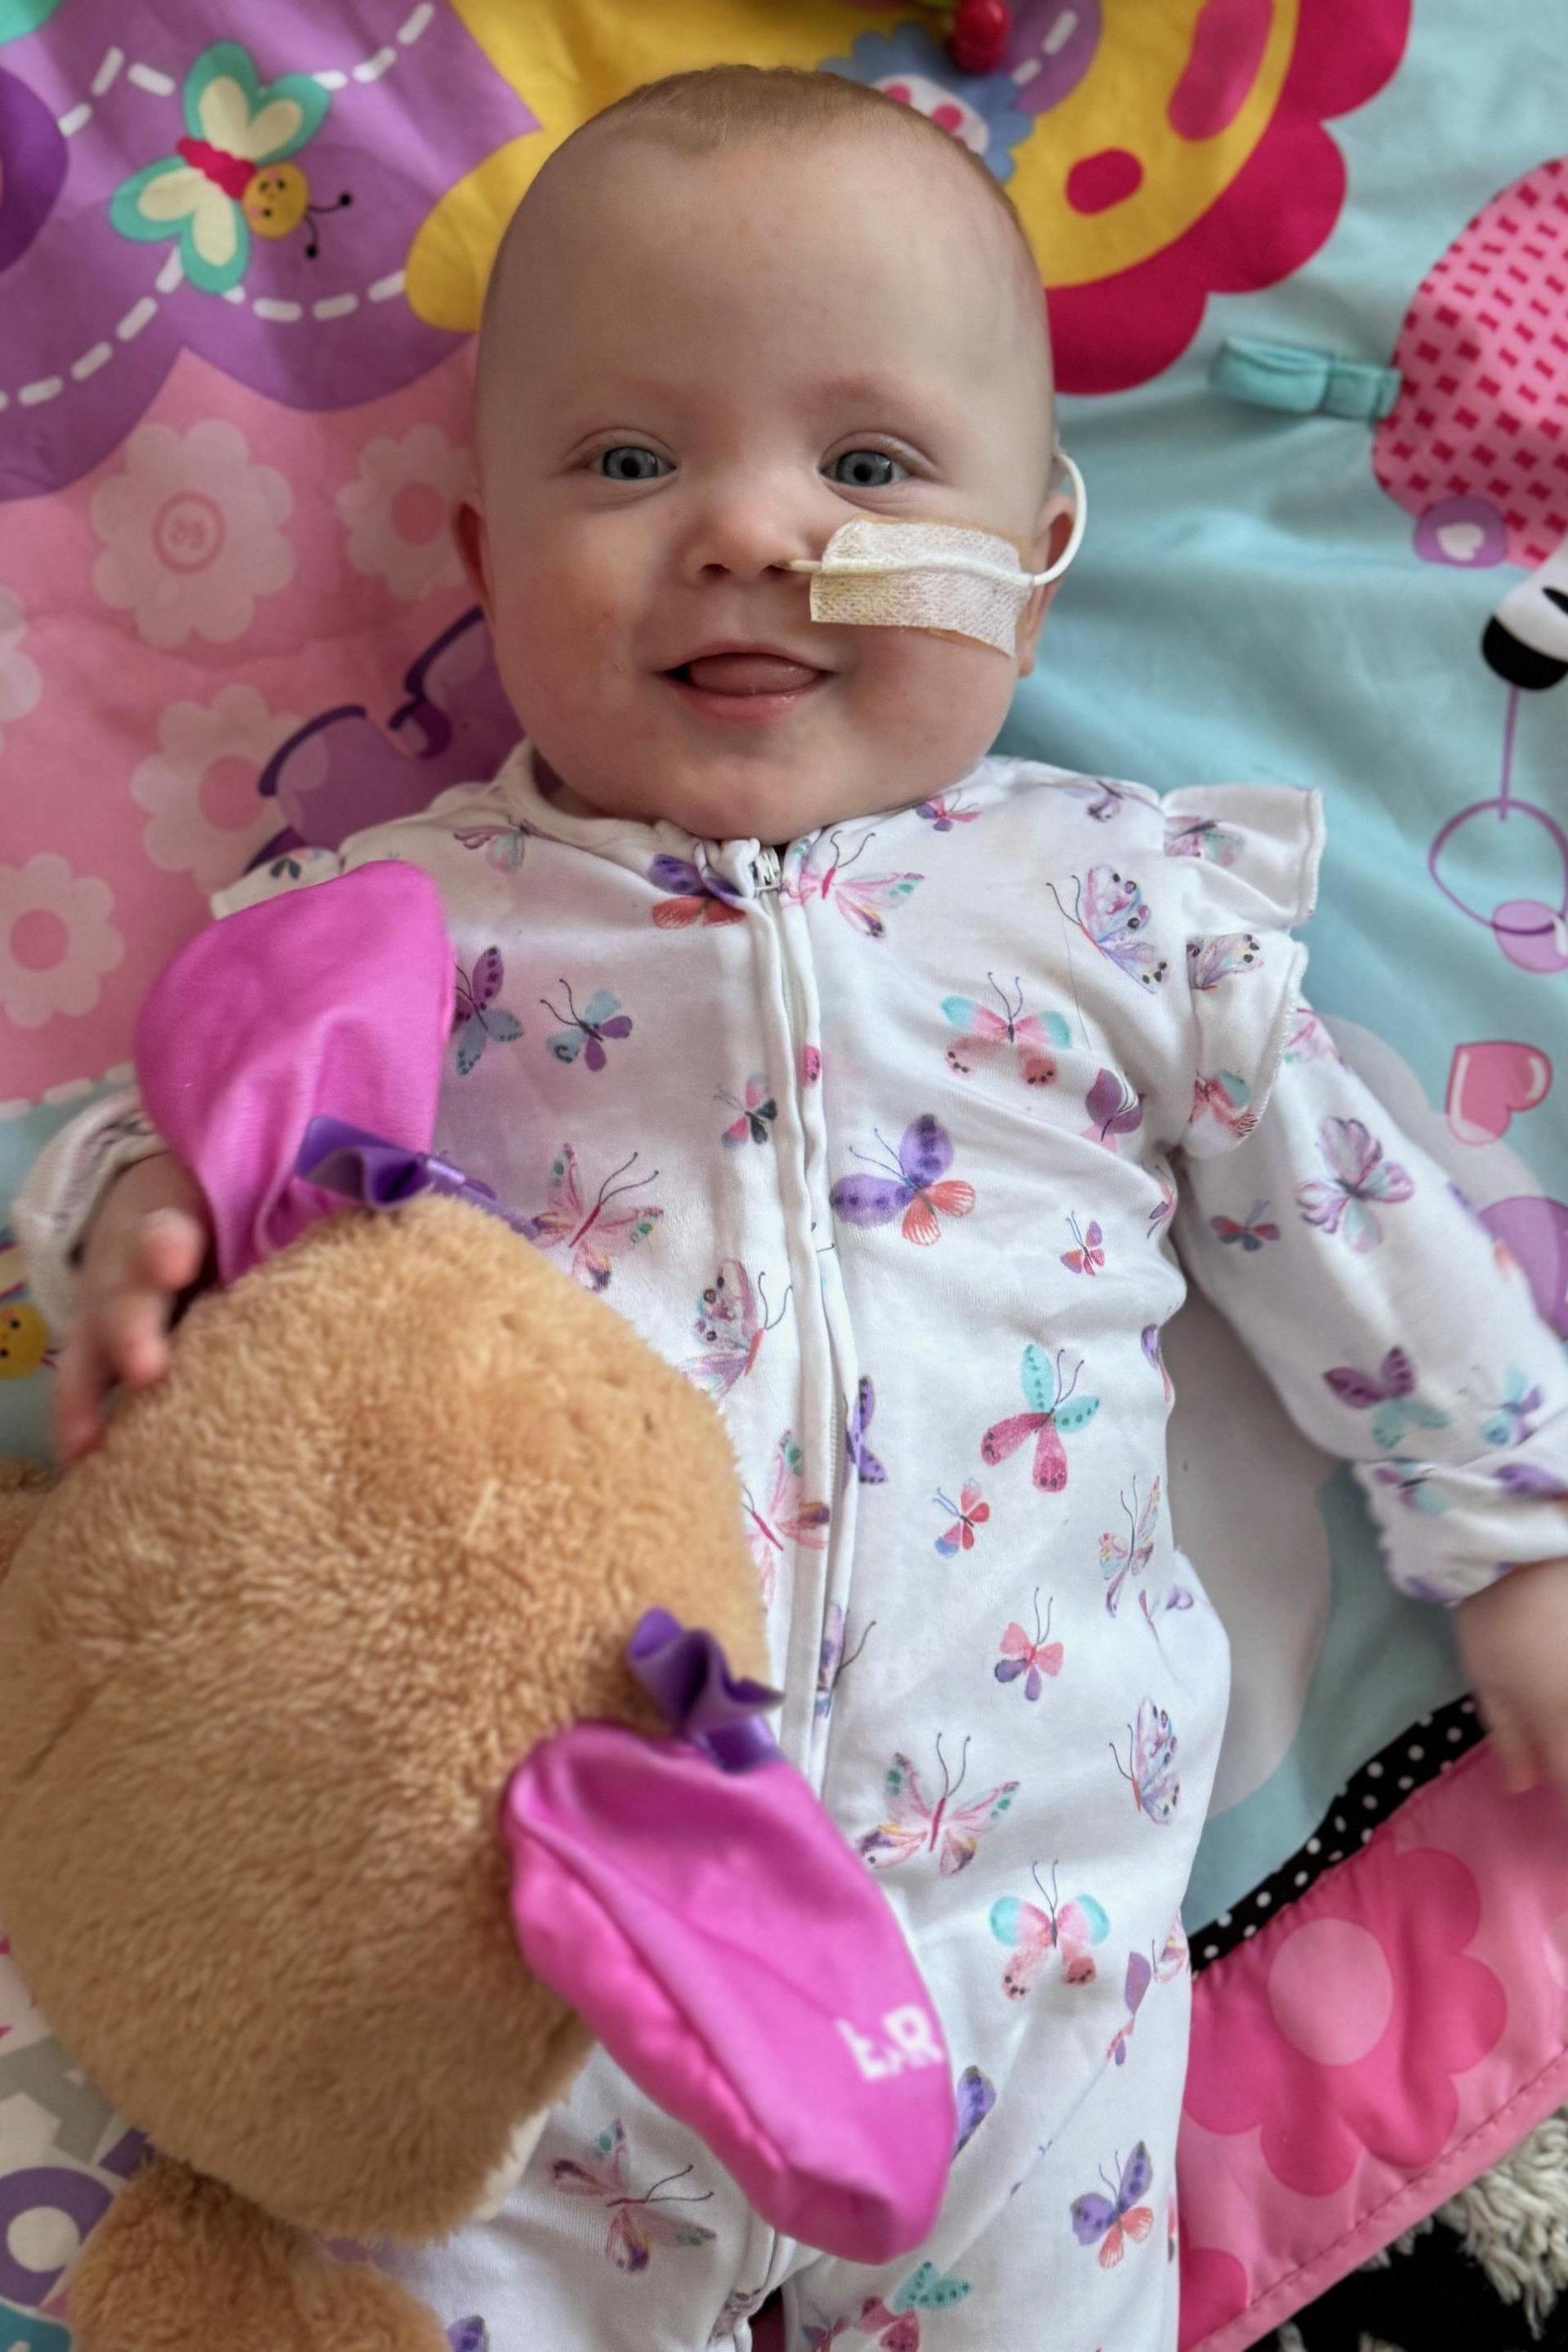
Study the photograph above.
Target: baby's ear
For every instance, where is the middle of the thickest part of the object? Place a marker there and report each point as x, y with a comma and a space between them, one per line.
23, 1486
473, 547
1052, 532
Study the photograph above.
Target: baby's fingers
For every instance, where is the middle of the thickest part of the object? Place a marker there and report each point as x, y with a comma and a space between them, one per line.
168, 1253
82, 1380
1512, 1745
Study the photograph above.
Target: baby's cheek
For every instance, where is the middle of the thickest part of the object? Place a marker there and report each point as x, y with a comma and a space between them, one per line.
943, 701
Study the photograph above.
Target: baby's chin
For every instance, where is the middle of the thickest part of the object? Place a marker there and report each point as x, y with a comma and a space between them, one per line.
772, 801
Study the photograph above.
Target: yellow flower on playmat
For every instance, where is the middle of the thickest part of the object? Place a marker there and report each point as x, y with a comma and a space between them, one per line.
1157, 154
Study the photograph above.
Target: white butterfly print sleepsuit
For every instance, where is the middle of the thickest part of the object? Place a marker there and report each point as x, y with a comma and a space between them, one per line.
932, 1256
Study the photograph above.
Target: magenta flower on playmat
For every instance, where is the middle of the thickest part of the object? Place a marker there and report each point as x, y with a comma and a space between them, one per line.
1340, 2039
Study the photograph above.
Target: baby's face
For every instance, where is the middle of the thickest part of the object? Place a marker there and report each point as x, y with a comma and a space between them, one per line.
704, 365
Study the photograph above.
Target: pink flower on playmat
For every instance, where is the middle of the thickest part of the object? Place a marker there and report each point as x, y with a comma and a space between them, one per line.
398, 512
191, 534
200, 790
1339, 2041
56, 939
20, 685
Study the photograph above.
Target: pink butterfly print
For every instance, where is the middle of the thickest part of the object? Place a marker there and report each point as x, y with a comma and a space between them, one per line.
1030, 1659
1308, 1039
1151, 1767
833, 1660
1164, 1208
636, 2224
756, 1113
693, 895
865, 900
1201, 836
1054, 1409
971, 1511
1223, 955
916, 1824
1114, 2218
810, 1065
503, 845
789, 1518
1119, 1558
1030, 1037
945, 811
895, 2326
820, 2335
1361, 1181
1110, 910
586, 1033
1156, 1355
916, 1183
1088, 1252
477, 1021
1140, 1974
1115, 1109
1224, 1096
1104, 800
857, 1421
593, 1237
732, 1321
1247, 1234
1067, 1929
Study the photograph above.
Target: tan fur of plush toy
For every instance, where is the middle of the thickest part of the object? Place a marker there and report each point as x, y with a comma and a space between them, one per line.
267, 1661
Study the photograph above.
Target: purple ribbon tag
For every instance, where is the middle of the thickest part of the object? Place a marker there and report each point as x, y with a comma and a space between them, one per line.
685, 1673
376, 1174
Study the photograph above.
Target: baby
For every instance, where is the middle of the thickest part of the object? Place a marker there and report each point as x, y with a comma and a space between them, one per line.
867, 1074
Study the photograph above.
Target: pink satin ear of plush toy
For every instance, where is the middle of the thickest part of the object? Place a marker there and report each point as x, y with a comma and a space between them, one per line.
334, 998
742, 1965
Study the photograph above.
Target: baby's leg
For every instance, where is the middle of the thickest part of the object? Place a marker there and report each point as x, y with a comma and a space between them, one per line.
1069, 2246
622, 2236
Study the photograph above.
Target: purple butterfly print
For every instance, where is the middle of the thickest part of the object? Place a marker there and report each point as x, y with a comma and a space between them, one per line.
694, 895
1531, 1478
1110, 910
1155, 1353
343, 771
976, 2095
914, 1185
1388, 1395
1151, 1767
477, 1021
392, 141
468, 2335
835, 1659
1114, 1109
1361, 1181
1223, 956
861, 1460
586, 1033
1112, 2220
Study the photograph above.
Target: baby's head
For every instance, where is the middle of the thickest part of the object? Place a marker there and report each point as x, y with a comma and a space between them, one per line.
732, 312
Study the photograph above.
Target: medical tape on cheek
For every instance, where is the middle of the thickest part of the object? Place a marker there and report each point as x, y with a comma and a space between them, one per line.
958, 582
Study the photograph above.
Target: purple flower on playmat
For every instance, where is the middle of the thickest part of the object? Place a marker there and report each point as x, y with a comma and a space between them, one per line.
165, 188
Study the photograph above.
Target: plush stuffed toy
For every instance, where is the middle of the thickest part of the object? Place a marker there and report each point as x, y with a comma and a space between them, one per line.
367, 1748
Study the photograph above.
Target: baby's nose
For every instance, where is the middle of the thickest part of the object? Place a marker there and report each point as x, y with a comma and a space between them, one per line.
746, 534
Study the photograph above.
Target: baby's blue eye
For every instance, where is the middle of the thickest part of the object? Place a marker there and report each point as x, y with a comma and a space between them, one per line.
628, 461
866, 469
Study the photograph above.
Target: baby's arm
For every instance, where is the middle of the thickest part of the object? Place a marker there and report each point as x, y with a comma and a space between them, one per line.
114, 1229
1402, 1339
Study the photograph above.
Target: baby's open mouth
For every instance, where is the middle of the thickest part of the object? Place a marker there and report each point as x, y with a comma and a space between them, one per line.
743, 673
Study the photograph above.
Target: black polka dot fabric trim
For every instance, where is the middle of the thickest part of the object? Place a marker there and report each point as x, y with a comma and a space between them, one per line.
1377, 1790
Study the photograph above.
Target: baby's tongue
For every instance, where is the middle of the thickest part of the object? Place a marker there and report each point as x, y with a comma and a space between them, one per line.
748, 674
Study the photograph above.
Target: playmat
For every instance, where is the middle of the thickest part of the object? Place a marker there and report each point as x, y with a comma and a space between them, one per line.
1308, 271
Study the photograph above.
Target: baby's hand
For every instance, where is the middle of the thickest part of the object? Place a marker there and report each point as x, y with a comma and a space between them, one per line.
147, 1243
1514, 1638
